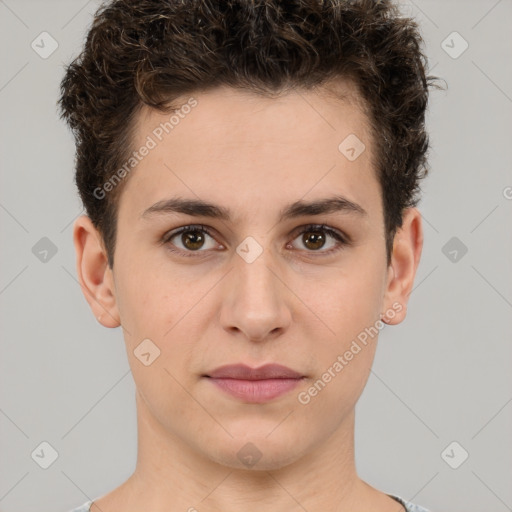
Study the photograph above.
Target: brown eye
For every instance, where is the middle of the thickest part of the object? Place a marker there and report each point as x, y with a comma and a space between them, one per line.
316, 237
189, 239
313, 239
193, 239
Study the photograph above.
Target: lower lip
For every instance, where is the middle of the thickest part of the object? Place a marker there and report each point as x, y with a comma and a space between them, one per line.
256, 391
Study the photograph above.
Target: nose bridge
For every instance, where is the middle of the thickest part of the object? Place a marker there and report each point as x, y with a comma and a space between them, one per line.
255, 302
255, 278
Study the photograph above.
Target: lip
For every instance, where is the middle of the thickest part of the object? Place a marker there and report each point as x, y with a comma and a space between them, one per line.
244, 372
255, 385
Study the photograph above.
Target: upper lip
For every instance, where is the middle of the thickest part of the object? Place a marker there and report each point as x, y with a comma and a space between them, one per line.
244, 372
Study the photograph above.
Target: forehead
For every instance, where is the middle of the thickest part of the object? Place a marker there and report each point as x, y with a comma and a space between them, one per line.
248, 152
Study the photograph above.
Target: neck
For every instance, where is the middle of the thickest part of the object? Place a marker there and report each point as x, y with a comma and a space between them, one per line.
170, 474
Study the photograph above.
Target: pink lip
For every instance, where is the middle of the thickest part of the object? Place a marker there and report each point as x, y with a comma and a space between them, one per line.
244, 372
255, 385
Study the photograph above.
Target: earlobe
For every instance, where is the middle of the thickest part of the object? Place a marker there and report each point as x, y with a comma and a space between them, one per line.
407, 247
94, 274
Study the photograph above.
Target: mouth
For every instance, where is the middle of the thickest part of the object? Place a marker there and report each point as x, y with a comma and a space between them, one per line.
255, 385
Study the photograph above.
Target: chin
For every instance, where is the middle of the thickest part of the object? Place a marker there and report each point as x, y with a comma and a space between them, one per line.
258, 452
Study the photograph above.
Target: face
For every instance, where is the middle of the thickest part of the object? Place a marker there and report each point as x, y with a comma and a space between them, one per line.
262, 284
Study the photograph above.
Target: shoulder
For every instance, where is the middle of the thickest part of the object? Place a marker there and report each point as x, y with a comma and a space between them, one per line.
409, 507
83, 508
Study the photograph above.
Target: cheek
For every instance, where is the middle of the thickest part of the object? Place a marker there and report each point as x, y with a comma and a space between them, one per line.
155, 307
347, 313
344, 359
347, 302
143, 289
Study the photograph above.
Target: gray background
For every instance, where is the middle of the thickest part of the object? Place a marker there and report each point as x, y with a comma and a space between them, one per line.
443, 375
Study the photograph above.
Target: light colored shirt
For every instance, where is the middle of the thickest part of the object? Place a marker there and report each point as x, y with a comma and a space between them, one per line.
410, 507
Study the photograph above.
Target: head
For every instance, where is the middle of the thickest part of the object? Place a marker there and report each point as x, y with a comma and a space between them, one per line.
256, 108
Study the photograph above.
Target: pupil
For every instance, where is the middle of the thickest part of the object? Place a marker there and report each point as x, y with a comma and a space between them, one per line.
318, 240
195, 237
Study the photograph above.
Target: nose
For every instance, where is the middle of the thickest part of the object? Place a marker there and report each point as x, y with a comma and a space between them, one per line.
255, 300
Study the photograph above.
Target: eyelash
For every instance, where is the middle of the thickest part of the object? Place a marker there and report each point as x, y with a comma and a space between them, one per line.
342, 241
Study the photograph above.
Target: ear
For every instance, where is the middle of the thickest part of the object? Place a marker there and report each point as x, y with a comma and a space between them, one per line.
94, 274
407, 246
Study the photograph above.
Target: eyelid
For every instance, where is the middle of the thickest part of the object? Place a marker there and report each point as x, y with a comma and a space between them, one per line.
322, 227
341, 238
165, 240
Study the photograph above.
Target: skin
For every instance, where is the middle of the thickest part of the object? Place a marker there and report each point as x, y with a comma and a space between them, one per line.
293, 305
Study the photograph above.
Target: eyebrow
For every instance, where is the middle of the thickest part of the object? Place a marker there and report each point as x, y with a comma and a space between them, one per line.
200, 208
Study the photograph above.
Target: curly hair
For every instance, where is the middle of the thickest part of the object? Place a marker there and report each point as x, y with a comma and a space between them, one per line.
150, 52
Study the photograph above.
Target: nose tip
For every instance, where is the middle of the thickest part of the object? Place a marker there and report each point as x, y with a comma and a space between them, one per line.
255, 301
257, 335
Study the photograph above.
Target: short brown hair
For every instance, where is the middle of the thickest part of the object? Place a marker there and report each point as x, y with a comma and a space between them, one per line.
149, 52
